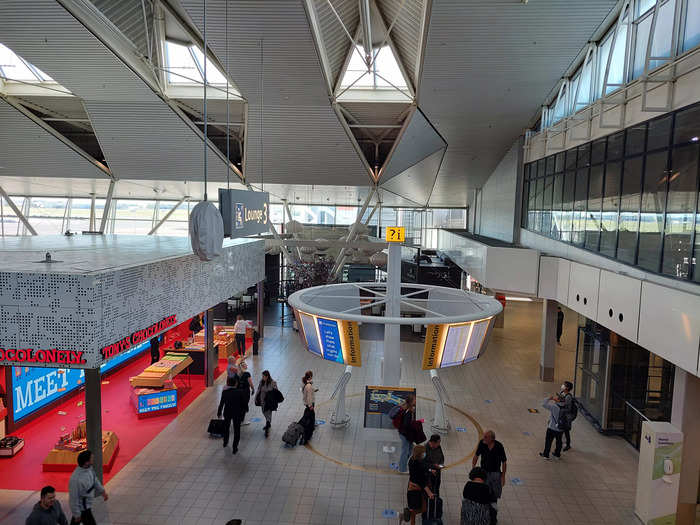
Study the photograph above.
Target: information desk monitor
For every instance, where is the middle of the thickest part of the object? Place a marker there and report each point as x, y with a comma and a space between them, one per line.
454, 344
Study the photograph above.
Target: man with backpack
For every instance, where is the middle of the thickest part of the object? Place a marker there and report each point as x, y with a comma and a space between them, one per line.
555, 427
402, 418
568, 405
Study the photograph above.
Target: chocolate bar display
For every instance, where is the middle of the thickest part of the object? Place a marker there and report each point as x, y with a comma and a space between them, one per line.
10, 445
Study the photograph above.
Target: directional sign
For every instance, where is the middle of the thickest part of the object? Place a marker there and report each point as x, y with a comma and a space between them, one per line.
395, 234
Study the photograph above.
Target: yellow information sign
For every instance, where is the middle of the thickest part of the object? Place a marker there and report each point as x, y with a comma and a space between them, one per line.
350, 342
395, 234
434, 344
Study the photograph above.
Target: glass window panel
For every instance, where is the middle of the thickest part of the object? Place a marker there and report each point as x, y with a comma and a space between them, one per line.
595, 198
14, 68
603, 52
643, 6
539, 201
556, 205
549, 169
584, 155
659, 133
652, 217
132, 226
696, 252
181, 66
531, 213
617, 64
348, 214
680, 207
687, 126
547, 205
171, 228
526, 172
276, 213
615, 145
559, 162
357, 69
42, 207
640, 47
584, 90
635, 139
611, 204
570, 159
598, 151
526, 203
691, 37
214, 76
629, 210
579, 217
540, 168
560, 106
387, 68
663, 32
573, 89
567, 205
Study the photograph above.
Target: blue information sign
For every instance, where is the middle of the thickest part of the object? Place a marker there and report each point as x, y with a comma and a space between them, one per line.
157, 401
330, 340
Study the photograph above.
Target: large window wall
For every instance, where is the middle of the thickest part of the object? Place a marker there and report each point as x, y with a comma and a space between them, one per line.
622, 52
630, 196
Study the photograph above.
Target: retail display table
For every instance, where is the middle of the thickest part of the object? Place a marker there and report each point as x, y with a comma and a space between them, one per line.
156, 375
64, 460
155, 401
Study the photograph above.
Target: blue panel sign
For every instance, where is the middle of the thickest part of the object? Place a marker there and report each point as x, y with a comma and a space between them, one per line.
157, 401
330, 340
34, 387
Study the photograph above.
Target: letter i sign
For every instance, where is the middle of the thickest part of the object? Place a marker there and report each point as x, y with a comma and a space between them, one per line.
395, 234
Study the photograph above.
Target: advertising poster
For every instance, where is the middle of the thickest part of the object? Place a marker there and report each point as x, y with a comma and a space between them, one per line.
666, 475
157, 401
379, 400
330, 339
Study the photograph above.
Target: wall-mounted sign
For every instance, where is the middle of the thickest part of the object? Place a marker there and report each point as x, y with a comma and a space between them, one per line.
395, 234
454, 344
244, 212
138, 337
379, 400
333, 339
30, 356
157, 401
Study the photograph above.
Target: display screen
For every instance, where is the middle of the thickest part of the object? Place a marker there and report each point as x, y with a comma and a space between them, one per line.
35, 387
453, 344
157, 401
379, 400
476, 340
330, 340
308, 324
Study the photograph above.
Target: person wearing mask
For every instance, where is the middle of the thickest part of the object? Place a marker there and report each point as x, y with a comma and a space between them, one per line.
239, 328
560, 324
83, 487
234, 402
155, 349
245, 381
476, 505
554, 427
307, 390
435, 458
494, 463
408, 416
48, 511
566, 402
418, 484
265, 386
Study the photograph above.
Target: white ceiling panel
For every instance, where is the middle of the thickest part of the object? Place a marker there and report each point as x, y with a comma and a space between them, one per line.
488, 66
27, 150
416, 183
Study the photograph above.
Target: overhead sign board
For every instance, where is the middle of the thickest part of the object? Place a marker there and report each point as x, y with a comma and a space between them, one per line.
454, 344
244, 212
395, 234
335, 340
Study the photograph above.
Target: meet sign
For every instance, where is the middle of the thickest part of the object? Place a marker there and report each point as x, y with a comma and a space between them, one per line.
244, 212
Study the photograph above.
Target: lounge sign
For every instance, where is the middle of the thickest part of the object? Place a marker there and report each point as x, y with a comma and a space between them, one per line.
138, 337
244, 212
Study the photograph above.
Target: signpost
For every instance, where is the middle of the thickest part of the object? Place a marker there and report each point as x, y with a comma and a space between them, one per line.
395, 234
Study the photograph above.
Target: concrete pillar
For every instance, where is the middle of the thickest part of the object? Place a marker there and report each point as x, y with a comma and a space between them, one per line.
548, 339
260, 319
685, 415
93, 417
391, 375
211, 357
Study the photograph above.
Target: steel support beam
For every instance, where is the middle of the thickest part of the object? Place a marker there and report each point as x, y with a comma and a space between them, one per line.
167, 215
365, 20
17, 211
351, 236
108, 206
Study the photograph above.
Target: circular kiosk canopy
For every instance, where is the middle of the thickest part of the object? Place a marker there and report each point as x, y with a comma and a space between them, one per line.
459, 322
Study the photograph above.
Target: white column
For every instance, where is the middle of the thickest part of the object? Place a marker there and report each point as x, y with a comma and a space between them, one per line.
548, 339
684, 416
392, 332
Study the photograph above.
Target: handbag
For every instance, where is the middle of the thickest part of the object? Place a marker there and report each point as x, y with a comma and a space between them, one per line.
258, 402
418, 436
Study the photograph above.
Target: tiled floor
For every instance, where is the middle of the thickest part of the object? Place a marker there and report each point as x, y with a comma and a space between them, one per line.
184, 477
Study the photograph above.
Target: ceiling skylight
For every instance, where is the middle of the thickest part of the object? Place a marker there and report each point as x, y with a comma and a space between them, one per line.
185, 66
383, 73
15, 68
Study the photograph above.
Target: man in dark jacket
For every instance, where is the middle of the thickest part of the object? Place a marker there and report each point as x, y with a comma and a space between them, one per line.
48, 511
234, 403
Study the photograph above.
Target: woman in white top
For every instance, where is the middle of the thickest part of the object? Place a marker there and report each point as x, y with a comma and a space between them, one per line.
239, 329
307, 390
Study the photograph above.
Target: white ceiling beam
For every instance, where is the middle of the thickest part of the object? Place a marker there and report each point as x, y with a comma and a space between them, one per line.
167, 215
17, 211
108, 205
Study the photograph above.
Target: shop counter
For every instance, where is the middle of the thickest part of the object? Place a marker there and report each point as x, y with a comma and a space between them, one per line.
65, 460
150, 402
156, 375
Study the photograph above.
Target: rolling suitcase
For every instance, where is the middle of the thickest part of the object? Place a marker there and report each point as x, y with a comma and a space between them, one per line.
433, 514
216, 428
293, 434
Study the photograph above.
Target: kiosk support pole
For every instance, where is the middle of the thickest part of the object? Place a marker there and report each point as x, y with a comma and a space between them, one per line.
210, 357
392, 332
93, 417
260, 319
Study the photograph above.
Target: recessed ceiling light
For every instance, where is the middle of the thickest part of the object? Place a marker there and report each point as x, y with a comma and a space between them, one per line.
694, 139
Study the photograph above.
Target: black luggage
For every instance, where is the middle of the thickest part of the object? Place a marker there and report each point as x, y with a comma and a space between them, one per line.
293, 434
216, 428
433, 514
308, 423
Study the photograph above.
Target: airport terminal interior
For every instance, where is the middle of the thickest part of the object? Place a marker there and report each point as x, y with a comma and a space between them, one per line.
349, 261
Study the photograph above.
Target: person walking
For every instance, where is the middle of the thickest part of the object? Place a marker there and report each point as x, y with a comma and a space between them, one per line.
307, 390
418, 485
48, 511
555, 426
266, 386
494, 463
245, 381
83, 488
476, 502
408, 416
155, 349
566, 403
234, 403
560, 324
239, 328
